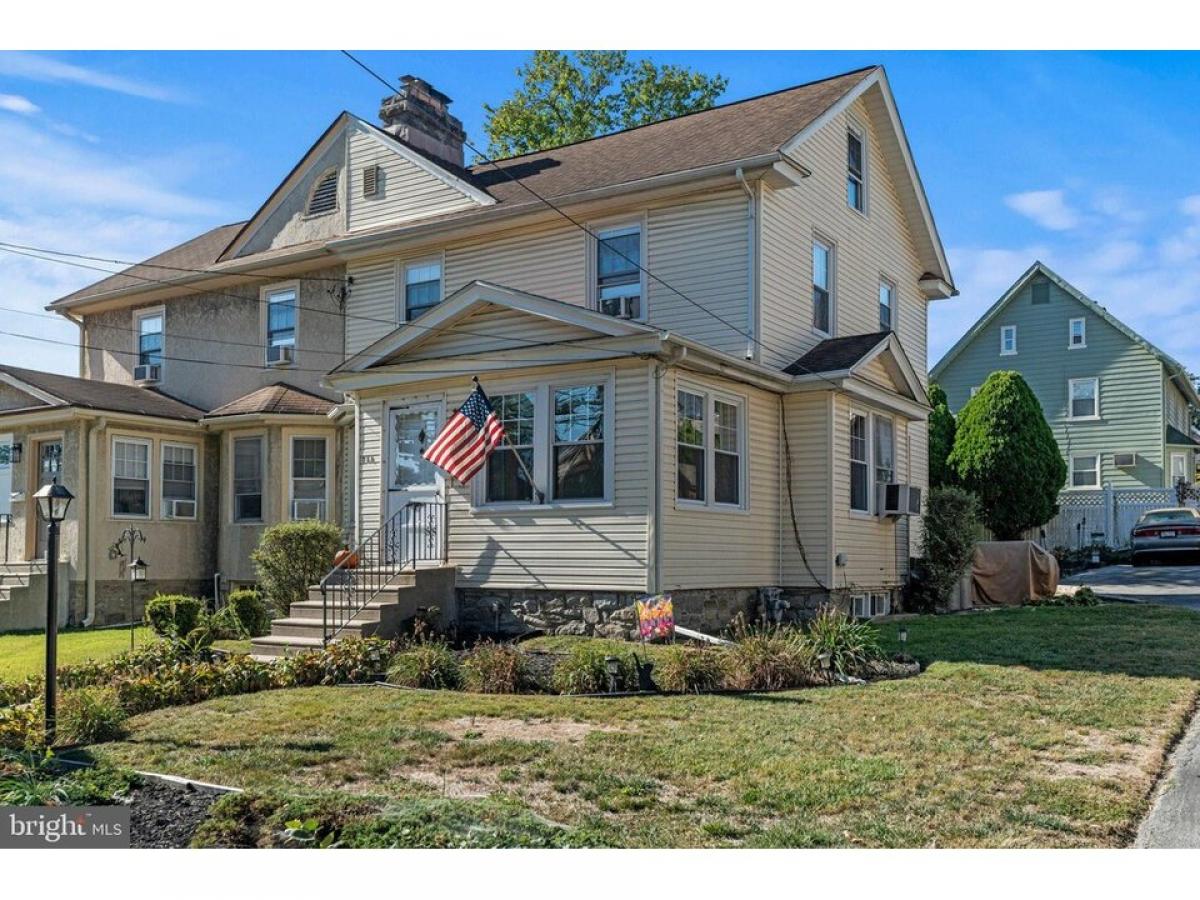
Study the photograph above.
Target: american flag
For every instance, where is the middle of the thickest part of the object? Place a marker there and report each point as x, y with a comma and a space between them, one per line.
468, 438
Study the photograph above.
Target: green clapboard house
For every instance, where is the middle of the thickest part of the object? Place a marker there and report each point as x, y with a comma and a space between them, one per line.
1118, 406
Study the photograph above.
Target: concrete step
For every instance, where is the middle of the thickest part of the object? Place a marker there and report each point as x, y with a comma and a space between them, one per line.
279, 645
313, 628
313, 609
398, 581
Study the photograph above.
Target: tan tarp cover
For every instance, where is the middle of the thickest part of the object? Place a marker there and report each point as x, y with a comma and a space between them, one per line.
1009, 573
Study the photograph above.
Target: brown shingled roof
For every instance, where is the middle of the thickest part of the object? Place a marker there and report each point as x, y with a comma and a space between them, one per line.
102, 395
275, 399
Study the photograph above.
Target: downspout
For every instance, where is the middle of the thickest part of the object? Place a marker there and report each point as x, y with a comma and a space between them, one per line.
653, 537
356, 462
751, 266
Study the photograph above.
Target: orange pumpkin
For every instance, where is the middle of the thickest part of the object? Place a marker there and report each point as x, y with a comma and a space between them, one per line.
345, 558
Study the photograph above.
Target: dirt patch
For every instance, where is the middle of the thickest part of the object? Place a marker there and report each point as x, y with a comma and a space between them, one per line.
489, 728
165, 816
458, 783
1101, 755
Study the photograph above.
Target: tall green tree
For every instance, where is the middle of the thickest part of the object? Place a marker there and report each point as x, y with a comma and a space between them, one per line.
1005, 454
568, 97
941, 438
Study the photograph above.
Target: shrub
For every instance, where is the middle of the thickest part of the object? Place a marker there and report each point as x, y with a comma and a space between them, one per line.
769, 659
497, 669
351, 661
849, 644
690, 669
429, 664
951, 528
22, 726
173, 614
585, 671
1084, 596
941, 438
91, 716
14, 693
292, 556
251, 610
1005, 454
152, 658
224, 625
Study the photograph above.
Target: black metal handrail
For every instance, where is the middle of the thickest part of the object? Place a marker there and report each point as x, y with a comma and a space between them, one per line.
416, 533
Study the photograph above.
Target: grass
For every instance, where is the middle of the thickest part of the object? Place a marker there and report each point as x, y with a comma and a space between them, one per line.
1030, 728
24, 653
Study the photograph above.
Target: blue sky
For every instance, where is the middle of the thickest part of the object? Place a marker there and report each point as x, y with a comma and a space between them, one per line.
1086, 161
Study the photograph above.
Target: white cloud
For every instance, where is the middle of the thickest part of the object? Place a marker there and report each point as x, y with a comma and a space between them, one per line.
1190, 206
1048, 209
15, 103
38, 67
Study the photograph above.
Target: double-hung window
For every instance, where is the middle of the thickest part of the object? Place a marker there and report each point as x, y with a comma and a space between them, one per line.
130, 477
860, 465
178, 481
1085, 470
887, 305
1077, 334
577, 449
710, 431
856, 184
872, 458
507, 468
618, 272
1084, 398
248, 460
1008, 340
150, 339
822, 286
885, 450
281, 323
422, 288
309, 477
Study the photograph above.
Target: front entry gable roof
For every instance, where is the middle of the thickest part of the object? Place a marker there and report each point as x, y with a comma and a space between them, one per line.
856, 355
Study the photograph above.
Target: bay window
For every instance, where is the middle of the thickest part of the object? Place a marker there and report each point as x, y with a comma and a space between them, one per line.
131, 477
178, 481
709, 438
248, 460
309, 477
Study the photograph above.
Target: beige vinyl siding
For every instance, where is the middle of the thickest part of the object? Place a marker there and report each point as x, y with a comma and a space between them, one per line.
406, 191
866, 248
371, 306
714, 547
497, 328
701, 248
598, 548
549, 262
868, 541
807, 418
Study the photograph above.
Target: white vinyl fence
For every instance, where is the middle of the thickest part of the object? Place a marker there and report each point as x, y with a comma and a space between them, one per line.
1106, 516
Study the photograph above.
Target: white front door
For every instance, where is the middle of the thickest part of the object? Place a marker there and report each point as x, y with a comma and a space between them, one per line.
413, 482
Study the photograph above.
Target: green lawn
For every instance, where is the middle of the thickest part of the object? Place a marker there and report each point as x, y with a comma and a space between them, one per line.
25, 654
1030, 728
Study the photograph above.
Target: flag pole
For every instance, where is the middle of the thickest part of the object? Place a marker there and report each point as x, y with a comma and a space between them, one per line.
541, 496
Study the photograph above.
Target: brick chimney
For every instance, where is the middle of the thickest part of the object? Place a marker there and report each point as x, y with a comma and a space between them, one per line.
420, 115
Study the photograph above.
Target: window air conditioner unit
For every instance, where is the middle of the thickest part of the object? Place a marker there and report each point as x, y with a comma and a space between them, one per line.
308, 509
149, 374
281, 356
899, 500
179, 509
620, 307
1124, 460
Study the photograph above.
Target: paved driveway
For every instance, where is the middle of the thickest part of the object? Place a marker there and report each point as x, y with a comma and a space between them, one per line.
1171, 585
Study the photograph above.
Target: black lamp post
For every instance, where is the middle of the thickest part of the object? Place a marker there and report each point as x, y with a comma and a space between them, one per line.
137, 572
52, 502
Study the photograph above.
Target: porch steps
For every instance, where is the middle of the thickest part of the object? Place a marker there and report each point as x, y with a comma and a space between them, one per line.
302, 629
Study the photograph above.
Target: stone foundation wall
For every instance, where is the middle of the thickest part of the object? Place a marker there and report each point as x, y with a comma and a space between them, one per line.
112, 597
507, 613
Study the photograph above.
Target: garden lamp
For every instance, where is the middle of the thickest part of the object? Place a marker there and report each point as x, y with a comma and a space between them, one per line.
52, 501
137, 570
612, 665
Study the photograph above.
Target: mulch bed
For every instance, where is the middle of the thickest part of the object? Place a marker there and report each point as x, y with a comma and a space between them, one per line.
166, 816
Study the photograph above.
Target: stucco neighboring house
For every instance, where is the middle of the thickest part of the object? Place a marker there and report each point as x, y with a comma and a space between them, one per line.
711, 374
1118, 406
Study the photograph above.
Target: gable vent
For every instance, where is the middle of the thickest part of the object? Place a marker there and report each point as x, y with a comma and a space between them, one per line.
324, 195
370, 181
1041, 292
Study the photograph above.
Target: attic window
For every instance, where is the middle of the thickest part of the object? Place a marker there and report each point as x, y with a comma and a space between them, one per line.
324, 196
1041, 292
370, 181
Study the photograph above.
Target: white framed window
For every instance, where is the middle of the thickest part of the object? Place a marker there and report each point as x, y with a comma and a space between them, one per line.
324, 196
178, 480
1083, 398
281, 321
131, 477
619, 282
249, 459
860, 464
1008, 340
1179, 468
578, 452
422, 288
506, 480
887, 305
884, 449
1085, 470
309, 478
869, 605
856, 169
149, 337
822, 286
1077, 334
710, 438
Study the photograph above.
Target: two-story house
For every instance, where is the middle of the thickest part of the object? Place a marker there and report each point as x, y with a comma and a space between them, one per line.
1118, 406
706, 340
